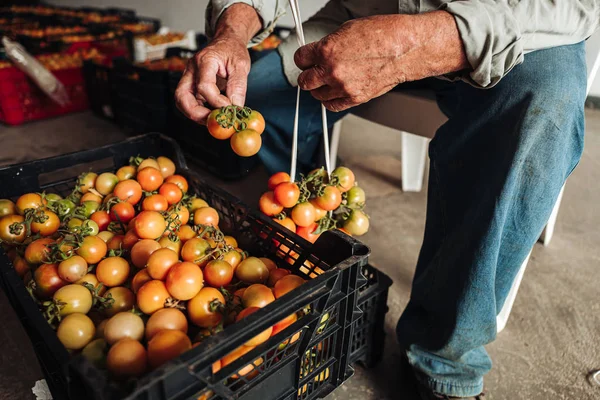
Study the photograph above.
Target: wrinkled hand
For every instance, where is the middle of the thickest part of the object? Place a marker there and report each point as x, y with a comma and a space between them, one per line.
368, 57
222, 65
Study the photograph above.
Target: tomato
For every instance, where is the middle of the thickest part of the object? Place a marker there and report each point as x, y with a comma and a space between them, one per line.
139, 279
261, 337
21, 266
112, 271
218, 273
307, 232
89, 227
122, 212
150, 179
7, 207
206, 216
160, 262
182, 214
92, 280
202, 308
74, 224
47, 280
12, 229
233, 258
357, 223
174, 245
256, 122
180, 181
87, 181
355, 197
186, 233
167, 318
129, 190
130, 239
344, 178
197, 203
126, 172
330, 199
63, 208
150, 225
257, 295
319, 212
250, 370
277, 178
87, 208
102, 218
141, 251
152, 296
115, 243
127, 359
106, 182
124, 300
167, 345
171, 192
148, 162
166, 166
270, 264
184, 280
252, 270
73, 299
72, 269
246, 143
277, 274
95, 352
231, 241
89, 196
287, 194
92, 249
76, 331
303, 214
27, 201
284, 323
214, 127
286, 284
37, 251
155, 202
124, 325
268, 205
131, 224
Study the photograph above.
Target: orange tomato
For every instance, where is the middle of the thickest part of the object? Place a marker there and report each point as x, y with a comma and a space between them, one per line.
128, 190
160, 262
303, 214
202, 308
184, 280
284, 323
218, 273
185, 233
206, 216
149, 179
287, 194
167, 318
112, 271
92, 249
49, 226
195, 250
155, 202
37, 251
261, 337
179, 181
268, 205
171, 192
287, 223
141, 251
257, 295
167, 167
277, 178
151, 296
277, 274
150, 225
286, 284
140, 279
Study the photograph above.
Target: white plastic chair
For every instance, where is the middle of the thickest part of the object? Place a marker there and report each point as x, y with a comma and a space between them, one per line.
421, 117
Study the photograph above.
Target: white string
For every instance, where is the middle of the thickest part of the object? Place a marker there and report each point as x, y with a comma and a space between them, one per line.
301, 42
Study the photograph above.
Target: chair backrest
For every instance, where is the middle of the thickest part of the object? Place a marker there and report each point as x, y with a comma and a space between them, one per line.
592, 48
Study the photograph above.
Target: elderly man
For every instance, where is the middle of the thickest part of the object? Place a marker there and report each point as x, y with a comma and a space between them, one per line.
511, 77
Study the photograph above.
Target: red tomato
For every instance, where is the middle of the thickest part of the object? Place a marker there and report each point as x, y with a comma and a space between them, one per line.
37, 251
171, 192
129, 190
330, 199
123, 212
307, 232
47, 280
149, 178
155, 202
277, 178
130, 239
218, 273
102, 219
268, 205
287, 194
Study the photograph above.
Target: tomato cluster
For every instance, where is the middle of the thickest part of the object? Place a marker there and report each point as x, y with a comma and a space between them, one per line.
316, 203
132, 270
241, 125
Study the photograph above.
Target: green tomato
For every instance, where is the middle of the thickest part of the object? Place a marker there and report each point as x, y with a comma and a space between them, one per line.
52, 197
63, 207
96, 352
357, 223
87, 209
355, 197
74, 223
90, 227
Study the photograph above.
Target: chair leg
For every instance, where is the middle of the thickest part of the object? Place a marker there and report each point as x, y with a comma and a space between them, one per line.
335, 143
414, 155
502, 317
546, 236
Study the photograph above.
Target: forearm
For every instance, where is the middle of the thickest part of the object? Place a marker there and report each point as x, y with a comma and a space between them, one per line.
239, 21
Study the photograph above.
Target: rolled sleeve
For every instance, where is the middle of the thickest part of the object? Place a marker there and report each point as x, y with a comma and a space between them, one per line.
491, 38
269, 12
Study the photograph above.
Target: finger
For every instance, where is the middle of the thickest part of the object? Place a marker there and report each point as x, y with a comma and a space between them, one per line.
341, 104
306, 56
236, 88
206, 85
326, 93
185, 100
312, 78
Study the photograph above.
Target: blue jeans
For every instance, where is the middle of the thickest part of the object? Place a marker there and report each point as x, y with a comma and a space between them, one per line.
496, 169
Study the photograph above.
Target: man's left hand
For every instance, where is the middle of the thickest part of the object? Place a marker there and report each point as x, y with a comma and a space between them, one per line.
368, 57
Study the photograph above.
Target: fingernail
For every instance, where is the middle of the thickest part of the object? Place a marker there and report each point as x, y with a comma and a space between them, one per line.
237, 100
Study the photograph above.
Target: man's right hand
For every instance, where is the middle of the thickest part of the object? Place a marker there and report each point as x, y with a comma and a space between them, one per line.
222, 65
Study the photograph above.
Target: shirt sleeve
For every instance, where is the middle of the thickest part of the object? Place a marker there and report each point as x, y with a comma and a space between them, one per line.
269, 12
496, 34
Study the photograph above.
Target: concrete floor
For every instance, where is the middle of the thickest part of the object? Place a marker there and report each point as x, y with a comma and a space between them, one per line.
552, 340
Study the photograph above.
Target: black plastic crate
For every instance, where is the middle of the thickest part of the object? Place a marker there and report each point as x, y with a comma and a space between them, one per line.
100, 88
316, 358
368, 336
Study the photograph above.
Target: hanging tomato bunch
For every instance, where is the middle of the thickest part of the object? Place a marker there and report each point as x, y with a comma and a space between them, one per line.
242, 125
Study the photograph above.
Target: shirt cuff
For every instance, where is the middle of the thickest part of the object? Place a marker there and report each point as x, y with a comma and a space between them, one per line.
268, 13
491, 38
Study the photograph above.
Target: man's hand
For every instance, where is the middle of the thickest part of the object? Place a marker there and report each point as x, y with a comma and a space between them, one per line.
368, 57
222, 65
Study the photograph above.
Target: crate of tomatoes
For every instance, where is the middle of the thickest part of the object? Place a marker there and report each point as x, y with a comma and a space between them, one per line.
135, 279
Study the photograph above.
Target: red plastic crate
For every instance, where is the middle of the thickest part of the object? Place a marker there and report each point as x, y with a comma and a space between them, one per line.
21, 100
